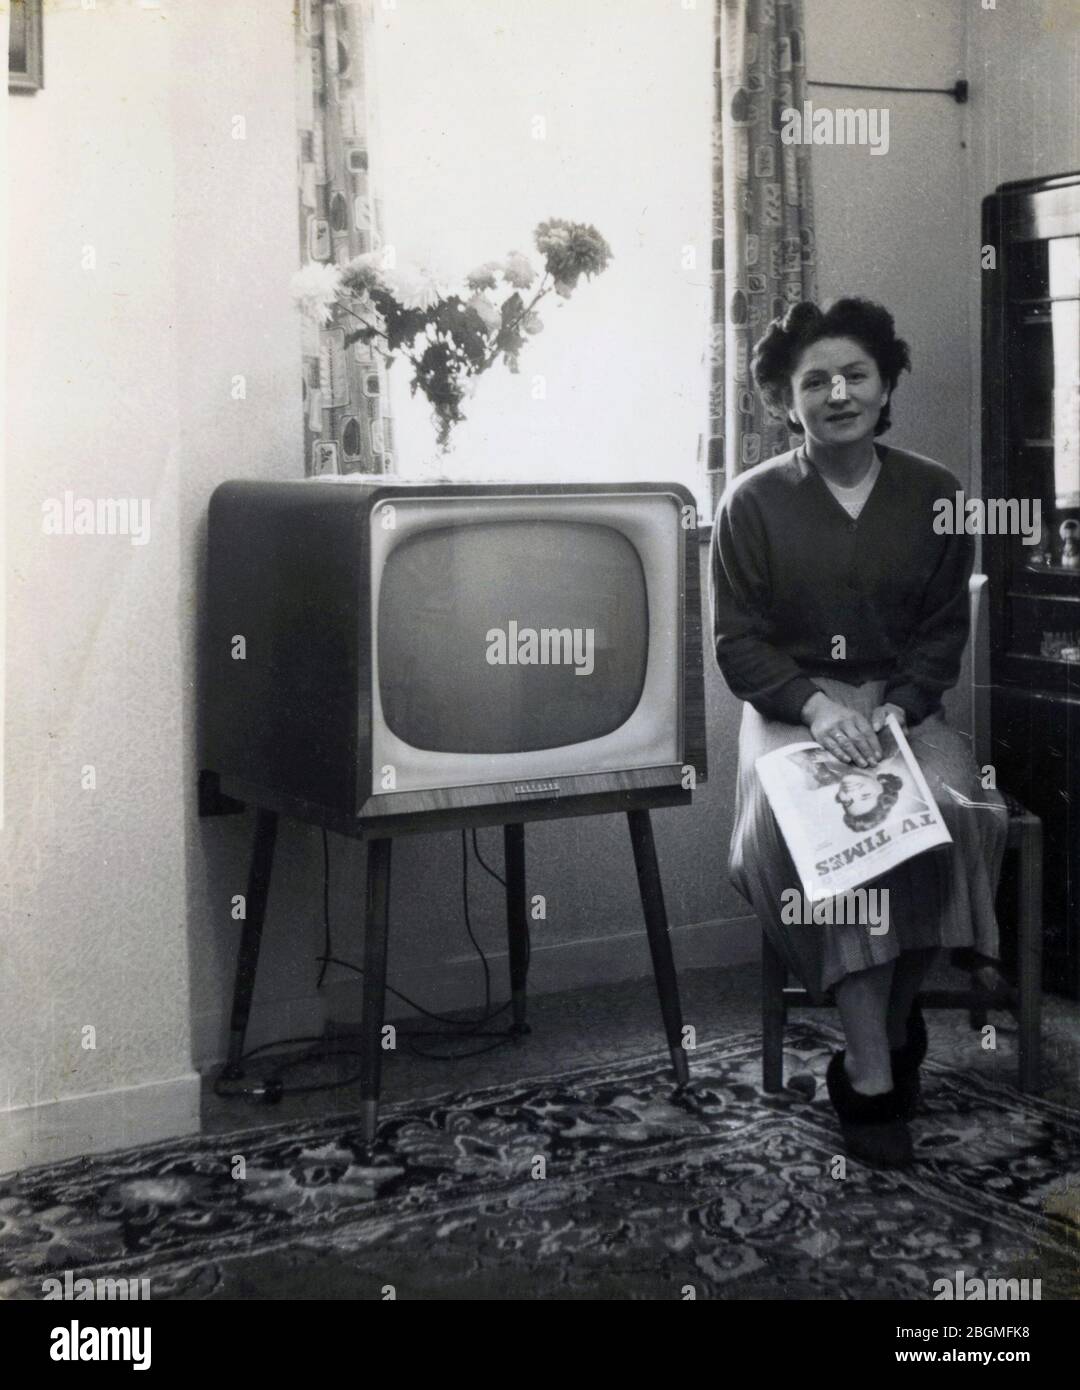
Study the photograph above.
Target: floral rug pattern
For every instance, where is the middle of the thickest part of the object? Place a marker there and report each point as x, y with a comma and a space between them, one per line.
601, 1183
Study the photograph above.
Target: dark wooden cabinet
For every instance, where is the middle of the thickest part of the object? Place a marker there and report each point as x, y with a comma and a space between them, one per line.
1031, 453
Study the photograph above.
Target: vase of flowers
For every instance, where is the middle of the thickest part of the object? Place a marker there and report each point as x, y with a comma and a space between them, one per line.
450, 335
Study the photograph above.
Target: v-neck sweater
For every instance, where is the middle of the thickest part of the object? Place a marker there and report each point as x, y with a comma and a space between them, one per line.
853, 499
799, 588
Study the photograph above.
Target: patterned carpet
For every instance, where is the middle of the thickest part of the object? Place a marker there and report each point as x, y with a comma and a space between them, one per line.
596, 1184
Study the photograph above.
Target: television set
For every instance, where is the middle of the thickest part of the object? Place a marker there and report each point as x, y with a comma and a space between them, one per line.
379, 649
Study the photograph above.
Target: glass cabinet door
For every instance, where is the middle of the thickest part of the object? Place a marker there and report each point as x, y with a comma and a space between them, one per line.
1064, 261
1042, 431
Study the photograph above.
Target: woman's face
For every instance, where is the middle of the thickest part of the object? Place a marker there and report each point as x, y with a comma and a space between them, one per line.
836, 392
858, 793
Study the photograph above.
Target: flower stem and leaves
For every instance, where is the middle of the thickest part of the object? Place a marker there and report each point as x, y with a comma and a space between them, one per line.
450, 337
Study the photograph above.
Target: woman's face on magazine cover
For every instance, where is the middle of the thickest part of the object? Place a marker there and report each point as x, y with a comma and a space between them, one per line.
858, 793
837, 391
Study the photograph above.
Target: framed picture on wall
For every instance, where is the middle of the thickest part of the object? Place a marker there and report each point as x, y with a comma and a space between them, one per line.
26, 72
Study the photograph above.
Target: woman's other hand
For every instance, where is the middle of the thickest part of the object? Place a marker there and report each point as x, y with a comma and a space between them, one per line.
845, 732
879, 716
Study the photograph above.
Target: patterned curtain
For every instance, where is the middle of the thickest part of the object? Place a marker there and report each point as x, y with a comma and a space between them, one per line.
763, 228
347, 428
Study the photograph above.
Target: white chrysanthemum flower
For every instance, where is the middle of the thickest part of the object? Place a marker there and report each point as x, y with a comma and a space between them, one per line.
518, 270
315, 289
484, 277
413, 289
363, 273
488, 314
373, 259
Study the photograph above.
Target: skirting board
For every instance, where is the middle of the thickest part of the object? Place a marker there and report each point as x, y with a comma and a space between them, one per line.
95, 1123
458, 984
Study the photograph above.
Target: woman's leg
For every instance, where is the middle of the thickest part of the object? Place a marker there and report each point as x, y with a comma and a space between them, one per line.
911, 967
863, 1001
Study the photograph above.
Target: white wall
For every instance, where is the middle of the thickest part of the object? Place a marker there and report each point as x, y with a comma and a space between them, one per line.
95, 924
624, 88
118, 385
891, 226
1024, 63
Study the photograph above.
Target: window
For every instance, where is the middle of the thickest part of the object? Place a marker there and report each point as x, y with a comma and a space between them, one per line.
494, 115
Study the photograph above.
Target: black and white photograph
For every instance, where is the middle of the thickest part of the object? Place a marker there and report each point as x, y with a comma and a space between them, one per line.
540, 677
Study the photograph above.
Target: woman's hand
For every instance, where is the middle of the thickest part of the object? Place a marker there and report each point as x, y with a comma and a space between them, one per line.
879, 716
846, 733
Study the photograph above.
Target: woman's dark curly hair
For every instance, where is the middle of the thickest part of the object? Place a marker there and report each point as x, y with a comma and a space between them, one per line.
777, 351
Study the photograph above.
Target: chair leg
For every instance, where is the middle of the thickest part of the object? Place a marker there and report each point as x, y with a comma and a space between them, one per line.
773, 979
1030, 957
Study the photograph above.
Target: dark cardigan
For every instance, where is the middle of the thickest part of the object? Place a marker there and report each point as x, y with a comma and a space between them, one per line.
791, 571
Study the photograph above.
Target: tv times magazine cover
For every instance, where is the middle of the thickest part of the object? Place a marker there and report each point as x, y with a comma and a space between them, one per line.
845, 825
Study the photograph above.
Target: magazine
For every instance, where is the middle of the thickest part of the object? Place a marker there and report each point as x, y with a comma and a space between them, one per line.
846, 825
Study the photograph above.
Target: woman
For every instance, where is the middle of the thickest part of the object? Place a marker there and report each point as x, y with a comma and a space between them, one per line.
836, 602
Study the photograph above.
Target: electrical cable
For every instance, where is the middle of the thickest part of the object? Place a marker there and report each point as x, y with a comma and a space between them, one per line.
439, 1018
472, 1030
499, 879
483, 863
471, 1027
272, 1089
466, 1023
468, 923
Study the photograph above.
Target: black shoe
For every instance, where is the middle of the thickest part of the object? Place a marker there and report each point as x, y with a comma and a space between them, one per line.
873, 1127
906, 1061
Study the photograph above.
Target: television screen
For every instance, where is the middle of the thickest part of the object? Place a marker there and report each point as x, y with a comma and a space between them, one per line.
511, 636
518, 636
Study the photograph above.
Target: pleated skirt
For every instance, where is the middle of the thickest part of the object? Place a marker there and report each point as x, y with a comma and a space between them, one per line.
941, 898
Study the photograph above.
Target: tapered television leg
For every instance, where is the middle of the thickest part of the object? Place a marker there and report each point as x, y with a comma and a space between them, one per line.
656, 924
376, 931
517, 924
247, 960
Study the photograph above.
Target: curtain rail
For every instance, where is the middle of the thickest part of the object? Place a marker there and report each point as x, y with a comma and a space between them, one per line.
958, 92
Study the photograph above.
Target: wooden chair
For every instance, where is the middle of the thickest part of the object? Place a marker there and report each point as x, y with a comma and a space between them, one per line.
988, 989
